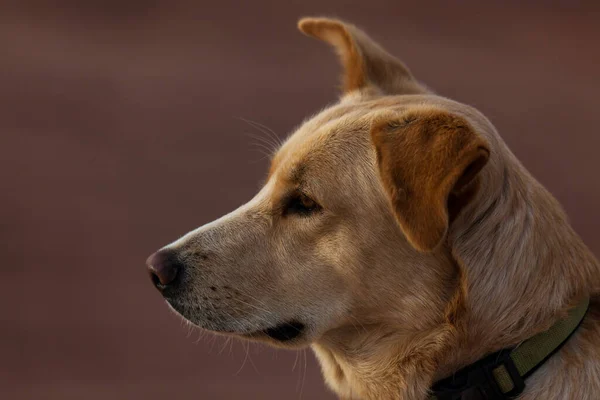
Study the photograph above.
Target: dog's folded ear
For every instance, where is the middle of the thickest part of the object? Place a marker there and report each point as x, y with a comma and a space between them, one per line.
365, 63
428, 161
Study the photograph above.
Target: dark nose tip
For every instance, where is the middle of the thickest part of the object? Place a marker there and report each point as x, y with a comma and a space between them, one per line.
164, 268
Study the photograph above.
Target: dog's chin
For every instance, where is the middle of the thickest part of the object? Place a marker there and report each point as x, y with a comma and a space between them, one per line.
291, 333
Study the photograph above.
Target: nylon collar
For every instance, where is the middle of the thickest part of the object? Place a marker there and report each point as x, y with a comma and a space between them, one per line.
502, 375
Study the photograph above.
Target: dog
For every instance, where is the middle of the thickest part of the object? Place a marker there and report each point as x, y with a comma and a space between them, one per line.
399, 238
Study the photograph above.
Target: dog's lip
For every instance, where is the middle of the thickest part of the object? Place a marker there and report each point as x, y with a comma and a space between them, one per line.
284, 332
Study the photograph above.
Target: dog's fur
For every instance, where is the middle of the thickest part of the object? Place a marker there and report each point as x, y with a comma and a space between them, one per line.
401, 232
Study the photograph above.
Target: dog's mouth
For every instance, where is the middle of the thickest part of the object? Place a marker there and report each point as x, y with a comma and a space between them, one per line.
284, 332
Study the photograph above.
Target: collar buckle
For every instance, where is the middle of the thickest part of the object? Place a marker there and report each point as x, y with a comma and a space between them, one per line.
478, 381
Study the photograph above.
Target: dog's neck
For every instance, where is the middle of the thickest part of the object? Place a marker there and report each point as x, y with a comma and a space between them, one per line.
521, 267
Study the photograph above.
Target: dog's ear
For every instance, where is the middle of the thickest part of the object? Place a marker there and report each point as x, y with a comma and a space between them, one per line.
428, 162
365, 63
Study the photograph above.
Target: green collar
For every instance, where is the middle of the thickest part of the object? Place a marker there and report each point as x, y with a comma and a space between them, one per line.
502, 375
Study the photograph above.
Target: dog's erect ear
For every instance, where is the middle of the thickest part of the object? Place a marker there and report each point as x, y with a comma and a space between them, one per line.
428, 162
365, 63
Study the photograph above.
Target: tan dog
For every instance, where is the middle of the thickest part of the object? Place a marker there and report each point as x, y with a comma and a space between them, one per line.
400, 238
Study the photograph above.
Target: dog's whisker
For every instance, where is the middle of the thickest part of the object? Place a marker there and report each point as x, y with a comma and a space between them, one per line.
260, 159
262, 303
269, 130
250, 359
245, 359
231, 346
266, 140
240, 326
254, 306
264, 129
295, 361
266, 151
304, 374
271, 148
227, 340
212, 342
272, 142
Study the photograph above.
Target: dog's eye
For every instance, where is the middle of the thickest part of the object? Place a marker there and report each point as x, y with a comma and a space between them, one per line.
300, 204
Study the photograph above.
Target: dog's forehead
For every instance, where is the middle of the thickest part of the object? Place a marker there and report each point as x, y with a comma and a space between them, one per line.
339, 135
339, 129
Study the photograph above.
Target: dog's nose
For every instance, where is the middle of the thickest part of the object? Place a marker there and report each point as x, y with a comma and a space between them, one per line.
164, 268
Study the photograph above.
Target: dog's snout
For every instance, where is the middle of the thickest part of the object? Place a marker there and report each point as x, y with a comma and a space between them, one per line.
164, 269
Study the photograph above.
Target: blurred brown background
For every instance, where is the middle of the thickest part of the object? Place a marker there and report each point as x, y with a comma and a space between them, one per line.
119, 131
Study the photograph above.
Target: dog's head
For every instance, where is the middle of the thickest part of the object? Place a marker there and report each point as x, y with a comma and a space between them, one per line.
350, 227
